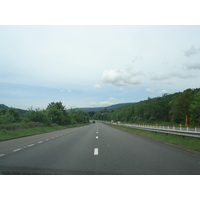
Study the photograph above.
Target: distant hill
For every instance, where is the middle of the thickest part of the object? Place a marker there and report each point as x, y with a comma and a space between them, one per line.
100, 108
3, 106
19, 110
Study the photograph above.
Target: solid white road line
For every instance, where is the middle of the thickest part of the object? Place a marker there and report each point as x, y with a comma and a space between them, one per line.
97, 137
2, 155
17, 149
30, 145
96, 151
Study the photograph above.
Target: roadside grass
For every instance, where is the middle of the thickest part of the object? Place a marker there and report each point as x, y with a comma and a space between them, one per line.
6, 134
187, 142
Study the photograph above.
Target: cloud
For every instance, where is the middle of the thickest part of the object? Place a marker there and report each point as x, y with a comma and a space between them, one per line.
178, 75
192, 65
163, 92
101, 104
150, 90
111, 99
121, 77
162, 76
69, 90
97, 87
159, 76
191, 51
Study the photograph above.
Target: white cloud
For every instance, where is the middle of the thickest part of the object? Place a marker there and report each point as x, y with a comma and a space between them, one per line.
159, 76
191, 51
69, 90
163, 92
162, 76
150, 90
121, 77
97, 87
101, 104
192, 65
111, 99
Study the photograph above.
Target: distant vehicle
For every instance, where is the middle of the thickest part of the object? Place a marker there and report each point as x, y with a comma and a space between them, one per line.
93, 121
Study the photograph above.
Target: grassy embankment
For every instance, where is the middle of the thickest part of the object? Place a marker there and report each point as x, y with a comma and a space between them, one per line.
187, 142
6, 134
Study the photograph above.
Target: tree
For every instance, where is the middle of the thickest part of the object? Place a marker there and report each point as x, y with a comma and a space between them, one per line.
9, 115
194, 109
180, 106
36, 115
57, 113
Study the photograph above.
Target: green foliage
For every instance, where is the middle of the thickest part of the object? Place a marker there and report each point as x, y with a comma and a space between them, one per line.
36, 115
168, 108
180, 107
9, 115
194, 109
55, 113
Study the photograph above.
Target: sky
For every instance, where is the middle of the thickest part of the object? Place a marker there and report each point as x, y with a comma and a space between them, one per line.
90, 54
96, 65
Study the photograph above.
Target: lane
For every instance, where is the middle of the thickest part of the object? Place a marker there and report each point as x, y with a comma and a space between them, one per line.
94, 149
126, 153
7, 146
72, 153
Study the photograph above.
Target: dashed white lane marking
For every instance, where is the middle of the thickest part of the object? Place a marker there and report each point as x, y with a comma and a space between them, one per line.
52, 138
2, 155
97, 137
97, 132
17, 149
96, 151
40, 142
30, 145
47, 139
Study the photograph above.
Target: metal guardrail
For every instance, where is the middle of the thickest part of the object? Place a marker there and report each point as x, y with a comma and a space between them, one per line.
183, 131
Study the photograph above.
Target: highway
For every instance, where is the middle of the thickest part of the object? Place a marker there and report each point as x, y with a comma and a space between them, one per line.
95, 149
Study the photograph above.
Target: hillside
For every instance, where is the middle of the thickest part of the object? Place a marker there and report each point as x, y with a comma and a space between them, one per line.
95, 109
169, 108
3, 106
19, 110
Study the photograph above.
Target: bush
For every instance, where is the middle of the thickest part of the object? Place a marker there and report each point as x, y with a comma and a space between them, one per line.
36, 115
15, 126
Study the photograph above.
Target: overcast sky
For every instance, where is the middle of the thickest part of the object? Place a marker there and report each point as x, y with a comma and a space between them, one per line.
86, 66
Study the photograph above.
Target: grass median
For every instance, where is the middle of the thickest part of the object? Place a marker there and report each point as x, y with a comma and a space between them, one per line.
7, 134
187, 142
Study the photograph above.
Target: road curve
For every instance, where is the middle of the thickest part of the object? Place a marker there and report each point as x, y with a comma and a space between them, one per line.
94, 149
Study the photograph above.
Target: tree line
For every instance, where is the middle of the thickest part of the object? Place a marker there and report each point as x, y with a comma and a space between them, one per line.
55, 113
168, 108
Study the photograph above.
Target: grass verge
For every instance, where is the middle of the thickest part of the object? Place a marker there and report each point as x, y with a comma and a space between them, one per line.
187, 142
6, 134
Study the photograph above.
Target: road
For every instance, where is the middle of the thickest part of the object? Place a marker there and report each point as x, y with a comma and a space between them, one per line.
94, 149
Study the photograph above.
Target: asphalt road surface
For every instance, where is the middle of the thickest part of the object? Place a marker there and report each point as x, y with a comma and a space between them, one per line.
94, 149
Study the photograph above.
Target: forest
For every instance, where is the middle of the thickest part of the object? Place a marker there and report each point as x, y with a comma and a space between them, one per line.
54, 114
171, 108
